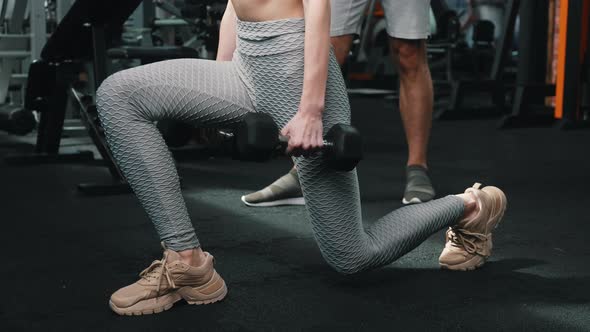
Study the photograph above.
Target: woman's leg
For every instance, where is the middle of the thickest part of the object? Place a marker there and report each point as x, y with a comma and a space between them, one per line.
332, 198
333, 202
199, 92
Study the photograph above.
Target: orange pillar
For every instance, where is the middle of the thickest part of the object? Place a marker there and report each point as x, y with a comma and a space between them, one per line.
563, 29
561, 58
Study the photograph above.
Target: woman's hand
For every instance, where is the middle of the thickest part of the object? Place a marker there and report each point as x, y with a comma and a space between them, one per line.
305, 131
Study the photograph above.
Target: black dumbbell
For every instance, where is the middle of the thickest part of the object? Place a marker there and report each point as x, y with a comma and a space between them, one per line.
256, 138
16, 120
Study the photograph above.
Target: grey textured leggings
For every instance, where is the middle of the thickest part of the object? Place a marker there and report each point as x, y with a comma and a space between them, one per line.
266, 75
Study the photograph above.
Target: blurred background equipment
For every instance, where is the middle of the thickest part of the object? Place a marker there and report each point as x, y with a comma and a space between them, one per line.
524, 61
23, 33
17, 120
108, 37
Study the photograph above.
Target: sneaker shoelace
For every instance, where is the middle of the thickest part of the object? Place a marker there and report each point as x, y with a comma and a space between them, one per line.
156, 270
473, 243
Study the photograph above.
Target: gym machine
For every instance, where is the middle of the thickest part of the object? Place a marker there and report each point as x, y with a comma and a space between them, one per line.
492, 83
52, 77
571, 111
22, 34
441, 47
55, 81
530, 89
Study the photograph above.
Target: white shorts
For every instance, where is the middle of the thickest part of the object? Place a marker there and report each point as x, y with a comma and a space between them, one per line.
407, 19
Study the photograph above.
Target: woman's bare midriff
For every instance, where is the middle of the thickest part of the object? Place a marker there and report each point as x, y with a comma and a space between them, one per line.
267, 10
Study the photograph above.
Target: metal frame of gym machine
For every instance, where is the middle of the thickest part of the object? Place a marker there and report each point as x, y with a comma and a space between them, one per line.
529, 107
493, 84
530, 89
14, 44
53, 78
571, 113
440, 46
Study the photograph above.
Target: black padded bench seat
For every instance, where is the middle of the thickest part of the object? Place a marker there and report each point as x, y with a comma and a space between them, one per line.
149, 53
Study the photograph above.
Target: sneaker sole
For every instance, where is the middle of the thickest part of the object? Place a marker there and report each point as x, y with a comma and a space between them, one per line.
278, 202
469, 265
414, 200
160, 304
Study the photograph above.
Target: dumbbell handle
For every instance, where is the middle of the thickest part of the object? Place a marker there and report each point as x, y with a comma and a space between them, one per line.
225, 134
282, 139
285, 140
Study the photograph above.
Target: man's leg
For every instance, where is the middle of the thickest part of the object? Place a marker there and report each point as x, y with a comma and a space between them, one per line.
342, 46
408, 25
415, 103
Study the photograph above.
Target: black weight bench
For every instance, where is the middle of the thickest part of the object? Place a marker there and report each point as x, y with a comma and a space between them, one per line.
87, 34
152, 54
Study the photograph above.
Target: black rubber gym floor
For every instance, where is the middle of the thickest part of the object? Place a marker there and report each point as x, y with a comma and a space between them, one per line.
63, 254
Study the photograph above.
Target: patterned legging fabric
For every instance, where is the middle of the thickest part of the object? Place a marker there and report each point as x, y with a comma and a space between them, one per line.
266, 75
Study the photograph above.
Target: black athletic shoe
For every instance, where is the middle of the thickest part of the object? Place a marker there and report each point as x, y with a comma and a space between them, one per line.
418, 186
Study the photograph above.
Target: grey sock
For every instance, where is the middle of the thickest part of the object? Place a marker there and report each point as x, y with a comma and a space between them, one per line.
418, 186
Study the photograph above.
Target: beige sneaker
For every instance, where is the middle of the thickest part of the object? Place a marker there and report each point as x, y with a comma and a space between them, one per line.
469, 243
167, 281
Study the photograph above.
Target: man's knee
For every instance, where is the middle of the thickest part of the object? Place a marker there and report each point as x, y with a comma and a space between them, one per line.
409, 55
341, 46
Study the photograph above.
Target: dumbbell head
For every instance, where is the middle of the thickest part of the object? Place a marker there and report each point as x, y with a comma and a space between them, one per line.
346, 147
16, 120
255, 137
23, 122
